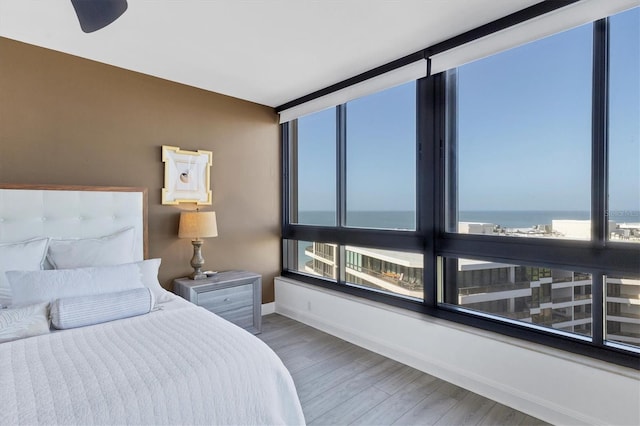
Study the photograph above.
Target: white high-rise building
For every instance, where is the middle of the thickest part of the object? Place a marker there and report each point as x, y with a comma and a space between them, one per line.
547, 297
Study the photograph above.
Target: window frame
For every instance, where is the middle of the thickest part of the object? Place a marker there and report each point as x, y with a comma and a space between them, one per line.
599, 256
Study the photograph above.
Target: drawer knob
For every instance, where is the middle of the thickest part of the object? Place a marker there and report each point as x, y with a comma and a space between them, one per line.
226, 299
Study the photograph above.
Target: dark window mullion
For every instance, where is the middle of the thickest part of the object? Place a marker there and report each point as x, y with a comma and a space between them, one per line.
290, 180
448, 221
289, 131
372, 238
341, 184
599, 167
450, 109
428, 116
570, 255
341, 165
598, 292
342, 265
599, 133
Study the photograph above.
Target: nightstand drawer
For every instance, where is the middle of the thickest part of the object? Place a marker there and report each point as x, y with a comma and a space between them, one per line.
227, 299
233, 295
242, 317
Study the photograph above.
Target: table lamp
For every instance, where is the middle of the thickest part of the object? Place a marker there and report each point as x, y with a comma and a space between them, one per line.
197, 225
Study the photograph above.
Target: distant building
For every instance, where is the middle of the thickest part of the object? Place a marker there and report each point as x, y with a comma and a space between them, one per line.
623, 310
398, 272
575, 229
475, 228
627, 231
581, 230
395, 272
551, 298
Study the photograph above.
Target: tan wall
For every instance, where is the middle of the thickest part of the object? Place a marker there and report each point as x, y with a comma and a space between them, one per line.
66, 120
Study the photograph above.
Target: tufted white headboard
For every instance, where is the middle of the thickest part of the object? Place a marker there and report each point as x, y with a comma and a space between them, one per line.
61, 211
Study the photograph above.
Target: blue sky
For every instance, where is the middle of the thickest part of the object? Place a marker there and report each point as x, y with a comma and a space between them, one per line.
381, 135
317, 161
524, 132
624, 114
524, 127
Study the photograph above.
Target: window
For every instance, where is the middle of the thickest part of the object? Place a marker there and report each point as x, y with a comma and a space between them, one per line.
624, 128
526, 157
395, 272
353, 172
381, 159
312, 258
552, 298
503, 194
313, 187
520, 126
623, 309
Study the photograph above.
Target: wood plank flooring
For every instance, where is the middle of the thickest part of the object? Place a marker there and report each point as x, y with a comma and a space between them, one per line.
343, 384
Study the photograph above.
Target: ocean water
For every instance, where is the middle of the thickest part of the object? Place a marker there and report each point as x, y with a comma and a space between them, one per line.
362, 219
504, 218
406, 220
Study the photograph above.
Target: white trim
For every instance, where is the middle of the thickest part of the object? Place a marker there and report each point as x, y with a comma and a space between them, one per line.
268, 308
553, 385
388, 80
562, 19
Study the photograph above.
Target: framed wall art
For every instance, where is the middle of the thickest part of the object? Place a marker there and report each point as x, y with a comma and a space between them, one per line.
187, 176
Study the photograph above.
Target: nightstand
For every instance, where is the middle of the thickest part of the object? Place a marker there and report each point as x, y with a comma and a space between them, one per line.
234, 295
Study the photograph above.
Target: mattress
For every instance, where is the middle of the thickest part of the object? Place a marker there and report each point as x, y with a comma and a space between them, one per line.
179, 364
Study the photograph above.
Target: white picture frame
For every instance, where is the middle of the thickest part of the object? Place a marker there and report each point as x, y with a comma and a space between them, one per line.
187, 176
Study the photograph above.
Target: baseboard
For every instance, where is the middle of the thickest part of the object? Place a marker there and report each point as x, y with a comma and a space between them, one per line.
336, 316
268, 308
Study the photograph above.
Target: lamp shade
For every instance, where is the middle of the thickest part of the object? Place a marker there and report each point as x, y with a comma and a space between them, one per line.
198, 225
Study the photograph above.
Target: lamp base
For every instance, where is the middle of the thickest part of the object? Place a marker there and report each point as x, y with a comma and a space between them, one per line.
197, 261
196, 276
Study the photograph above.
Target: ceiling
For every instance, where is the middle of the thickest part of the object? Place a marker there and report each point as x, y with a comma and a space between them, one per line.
263, 51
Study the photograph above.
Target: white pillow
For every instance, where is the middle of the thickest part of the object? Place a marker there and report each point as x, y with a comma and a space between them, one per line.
114, 249
24, 322
72, 312
149, 270
24, 255
30, 287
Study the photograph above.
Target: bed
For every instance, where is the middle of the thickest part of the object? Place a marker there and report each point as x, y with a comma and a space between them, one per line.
175, 364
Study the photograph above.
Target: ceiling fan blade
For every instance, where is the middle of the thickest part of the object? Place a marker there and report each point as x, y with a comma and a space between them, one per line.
96, 14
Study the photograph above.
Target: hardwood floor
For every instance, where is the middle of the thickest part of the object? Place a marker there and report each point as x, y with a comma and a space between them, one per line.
342, 384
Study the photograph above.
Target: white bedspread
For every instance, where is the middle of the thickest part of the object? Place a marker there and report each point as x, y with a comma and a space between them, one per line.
176, 366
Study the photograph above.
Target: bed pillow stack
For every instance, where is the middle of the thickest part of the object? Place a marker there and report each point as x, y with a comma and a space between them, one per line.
24, 255
30, 287
95, 280
114, 249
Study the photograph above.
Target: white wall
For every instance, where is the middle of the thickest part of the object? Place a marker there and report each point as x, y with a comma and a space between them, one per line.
553, 385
